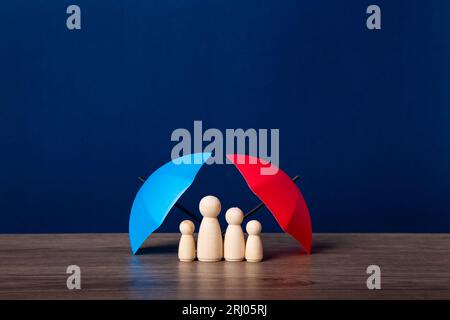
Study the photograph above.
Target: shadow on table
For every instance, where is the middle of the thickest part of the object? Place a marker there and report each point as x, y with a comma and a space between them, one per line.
268, 255
290, 252
271, 255
161, 249
321, 247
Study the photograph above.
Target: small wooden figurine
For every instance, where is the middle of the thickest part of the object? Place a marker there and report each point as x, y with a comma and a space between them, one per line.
254, 246
186, 248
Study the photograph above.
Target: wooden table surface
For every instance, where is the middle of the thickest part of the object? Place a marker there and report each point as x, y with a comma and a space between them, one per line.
413, 266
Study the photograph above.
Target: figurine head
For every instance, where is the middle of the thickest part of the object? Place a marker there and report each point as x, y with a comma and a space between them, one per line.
210, 206
187, 227
234, 216
253, 227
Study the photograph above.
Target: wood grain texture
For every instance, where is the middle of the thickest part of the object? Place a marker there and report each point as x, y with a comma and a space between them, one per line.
414, 266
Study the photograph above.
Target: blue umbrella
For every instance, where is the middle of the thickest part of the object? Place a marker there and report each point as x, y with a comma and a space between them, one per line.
159, 194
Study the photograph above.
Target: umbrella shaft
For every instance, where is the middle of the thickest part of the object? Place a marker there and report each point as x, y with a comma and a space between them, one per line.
186, 211
259, 206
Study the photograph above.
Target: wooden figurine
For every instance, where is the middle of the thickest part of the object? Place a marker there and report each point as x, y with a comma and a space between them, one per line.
186, 247
254, 246
234, 244
210, 241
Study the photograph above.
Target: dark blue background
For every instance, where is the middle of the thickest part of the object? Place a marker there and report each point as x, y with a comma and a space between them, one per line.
363, 115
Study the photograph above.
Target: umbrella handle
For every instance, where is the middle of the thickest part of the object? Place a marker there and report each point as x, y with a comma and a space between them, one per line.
179, 206
260, 205
186, 211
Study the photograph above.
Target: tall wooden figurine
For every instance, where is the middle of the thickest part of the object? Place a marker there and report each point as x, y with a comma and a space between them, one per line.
234, 244
254, 247
210, 242
186, 248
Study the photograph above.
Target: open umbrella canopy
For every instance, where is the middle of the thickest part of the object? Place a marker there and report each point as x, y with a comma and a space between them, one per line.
280, 195
158, 195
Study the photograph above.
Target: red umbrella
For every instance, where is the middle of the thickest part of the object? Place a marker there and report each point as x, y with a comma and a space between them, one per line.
280, 195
